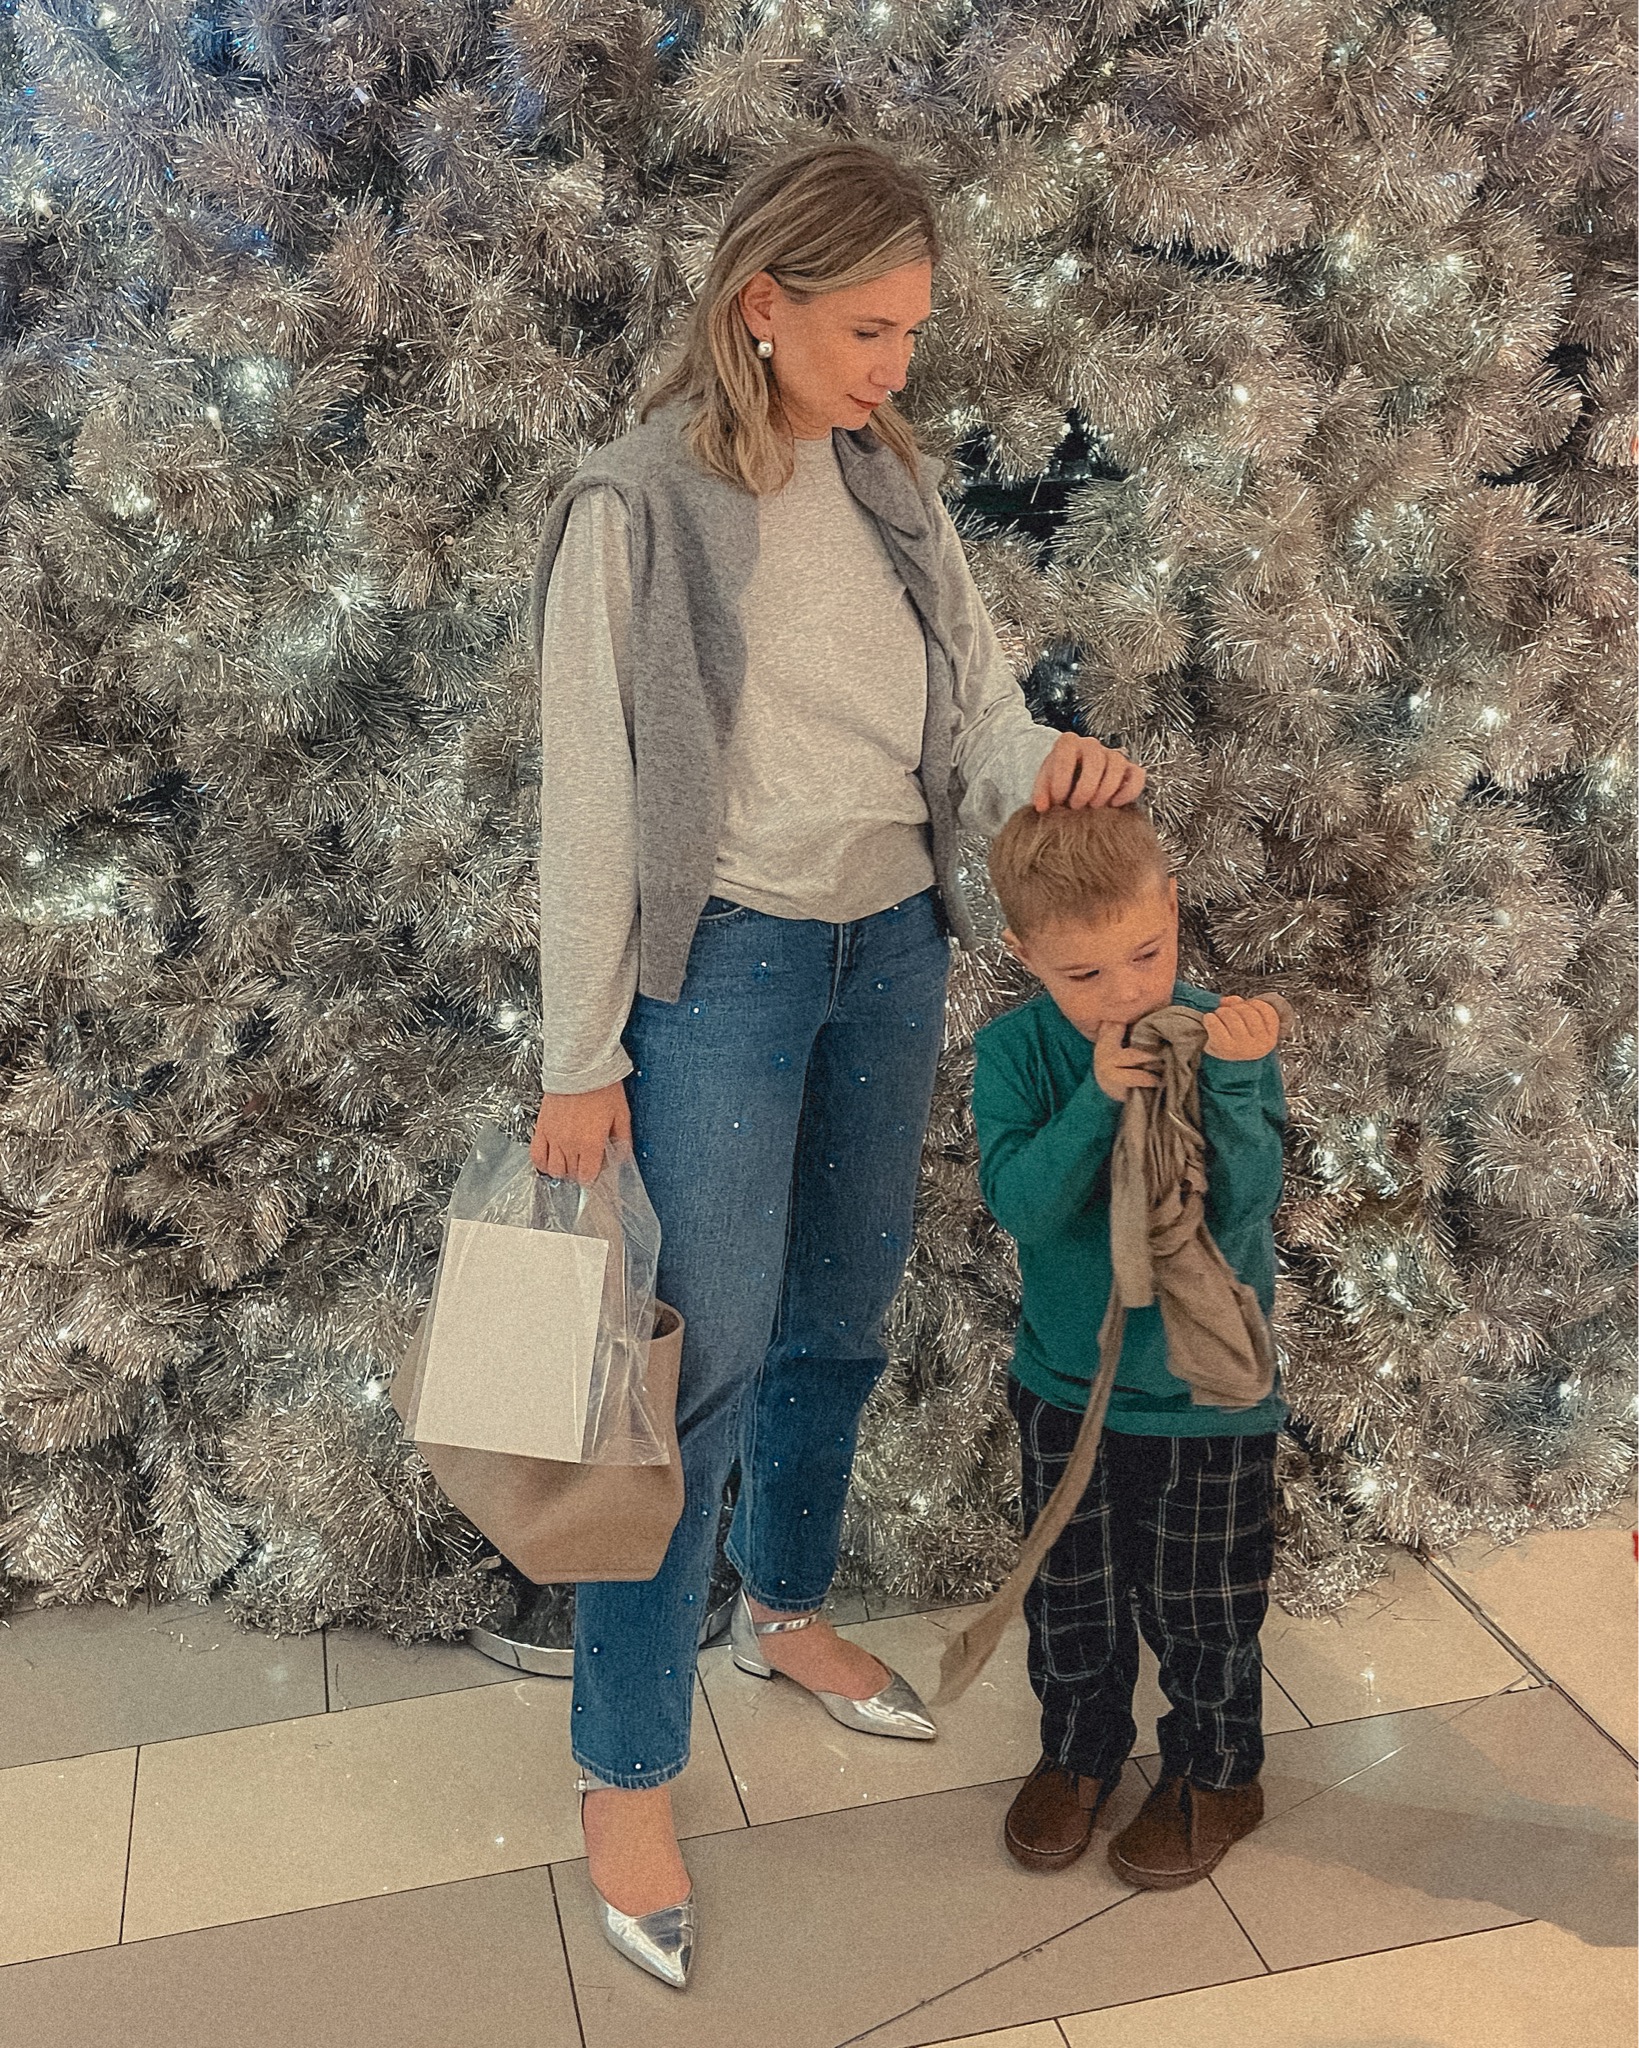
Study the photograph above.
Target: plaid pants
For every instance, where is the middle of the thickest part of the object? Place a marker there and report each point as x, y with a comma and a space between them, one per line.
1174, 1536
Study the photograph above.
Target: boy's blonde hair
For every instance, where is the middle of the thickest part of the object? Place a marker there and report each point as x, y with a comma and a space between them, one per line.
1063, 866
822, 219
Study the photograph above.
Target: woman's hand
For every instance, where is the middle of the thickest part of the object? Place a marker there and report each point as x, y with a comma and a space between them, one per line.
1118, 1067
1083, 773
1242, 1030
572, 1132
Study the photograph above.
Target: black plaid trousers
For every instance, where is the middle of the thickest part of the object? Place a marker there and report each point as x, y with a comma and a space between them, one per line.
1175, 1536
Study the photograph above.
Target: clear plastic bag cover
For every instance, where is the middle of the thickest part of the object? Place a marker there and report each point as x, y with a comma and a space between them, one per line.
499, 1185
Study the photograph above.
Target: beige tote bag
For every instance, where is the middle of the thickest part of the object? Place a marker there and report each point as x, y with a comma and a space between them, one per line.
565, 1523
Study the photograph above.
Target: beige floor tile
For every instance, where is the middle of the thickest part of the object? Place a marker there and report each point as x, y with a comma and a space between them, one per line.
1405, 1642
815, 1930
1519, 1987
64, 1828
1042, 2035
365, 1669
1566, 1596
1145, 1946
790, 1759
380, 1799
474, 1965
78, 1679
1510, 1808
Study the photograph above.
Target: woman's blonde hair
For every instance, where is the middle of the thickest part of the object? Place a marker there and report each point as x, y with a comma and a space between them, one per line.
821, 220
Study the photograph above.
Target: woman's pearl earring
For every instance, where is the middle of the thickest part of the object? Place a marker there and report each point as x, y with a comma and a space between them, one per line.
765, 349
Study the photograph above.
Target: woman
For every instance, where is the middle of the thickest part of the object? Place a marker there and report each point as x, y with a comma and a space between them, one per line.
770, 695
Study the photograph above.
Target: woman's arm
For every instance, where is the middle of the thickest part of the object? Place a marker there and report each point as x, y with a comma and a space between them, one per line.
1001, 758
588, 804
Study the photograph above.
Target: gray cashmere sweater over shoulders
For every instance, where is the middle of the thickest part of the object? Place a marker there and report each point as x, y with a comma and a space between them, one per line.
693, 542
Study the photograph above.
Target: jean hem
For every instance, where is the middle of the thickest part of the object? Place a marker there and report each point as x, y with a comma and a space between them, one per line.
780, 1603
628, 1781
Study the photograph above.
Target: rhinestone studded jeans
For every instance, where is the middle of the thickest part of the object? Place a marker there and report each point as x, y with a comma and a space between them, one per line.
778, 1111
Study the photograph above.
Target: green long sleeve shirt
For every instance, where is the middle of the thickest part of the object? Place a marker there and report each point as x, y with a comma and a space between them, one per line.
1046, 1130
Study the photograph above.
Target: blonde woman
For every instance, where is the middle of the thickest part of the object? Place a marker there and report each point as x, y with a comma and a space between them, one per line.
770, 695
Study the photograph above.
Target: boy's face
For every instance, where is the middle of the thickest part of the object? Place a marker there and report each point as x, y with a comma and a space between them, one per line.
1112, 972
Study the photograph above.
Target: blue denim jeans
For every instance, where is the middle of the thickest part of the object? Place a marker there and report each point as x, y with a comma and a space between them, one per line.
778, 1112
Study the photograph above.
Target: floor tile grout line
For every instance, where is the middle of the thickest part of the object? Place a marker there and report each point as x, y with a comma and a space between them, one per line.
535, 1678
1301, 1712
1230, 1910
1538, 1671
1467, 1706
568, 1966
130, 1837
728, 1761
978, 1977
437, 1884
1294, 1969
288, 1720
1471, 1699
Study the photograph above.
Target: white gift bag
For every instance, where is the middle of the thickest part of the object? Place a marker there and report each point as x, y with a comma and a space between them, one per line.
536, 1342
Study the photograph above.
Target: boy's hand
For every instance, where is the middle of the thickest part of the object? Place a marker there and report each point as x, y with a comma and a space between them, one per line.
1239, 1030
1118, 1067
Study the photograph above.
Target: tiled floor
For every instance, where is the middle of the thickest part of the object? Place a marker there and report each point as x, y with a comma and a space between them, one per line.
214, 1840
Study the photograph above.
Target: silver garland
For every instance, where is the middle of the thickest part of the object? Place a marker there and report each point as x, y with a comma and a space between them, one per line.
1284, 363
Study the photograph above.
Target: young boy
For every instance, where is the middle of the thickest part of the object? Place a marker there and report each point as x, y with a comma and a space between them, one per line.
1176, 1526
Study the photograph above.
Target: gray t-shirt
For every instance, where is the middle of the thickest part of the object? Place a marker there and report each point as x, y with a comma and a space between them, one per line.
824, 817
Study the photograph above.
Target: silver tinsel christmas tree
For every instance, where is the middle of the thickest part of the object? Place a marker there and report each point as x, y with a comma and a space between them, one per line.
1284, 364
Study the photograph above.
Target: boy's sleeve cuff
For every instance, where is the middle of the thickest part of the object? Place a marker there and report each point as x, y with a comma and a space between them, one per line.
1230, 1075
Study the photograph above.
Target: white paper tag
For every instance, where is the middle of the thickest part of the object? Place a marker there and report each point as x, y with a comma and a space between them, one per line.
509, 1360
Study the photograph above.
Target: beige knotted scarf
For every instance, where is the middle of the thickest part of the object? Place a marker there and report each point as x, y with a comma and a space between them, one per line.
1160, 1248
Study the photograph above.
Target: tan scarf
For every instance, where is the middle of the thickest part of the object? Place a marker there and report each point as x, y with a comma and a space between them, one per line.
1160, 1248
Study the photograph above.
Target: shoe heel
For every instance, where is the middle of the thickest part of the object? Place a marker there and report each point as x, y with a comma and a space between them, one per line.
743, 1641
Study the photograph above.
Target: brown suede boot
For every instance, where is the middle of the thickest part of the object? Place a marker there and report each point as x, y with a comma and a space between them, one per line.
1181, 1831
1051, 1819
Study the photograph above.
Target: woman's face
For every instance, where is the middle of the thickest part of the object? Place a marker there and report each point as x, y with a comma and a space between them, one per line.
837, 357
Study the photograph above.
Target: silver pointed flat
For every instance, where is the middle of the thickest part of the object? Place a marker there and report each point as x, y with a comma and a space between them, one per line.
896, 1710
662, 1942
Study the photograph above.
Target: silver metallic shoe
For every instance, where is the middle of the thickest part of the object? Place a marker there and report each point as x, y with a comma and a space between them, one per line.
895, 1710
661, 1942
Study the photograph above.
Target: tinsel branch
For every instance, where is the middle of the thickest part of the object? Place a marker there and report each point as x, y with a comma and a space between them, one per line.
1283, 365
